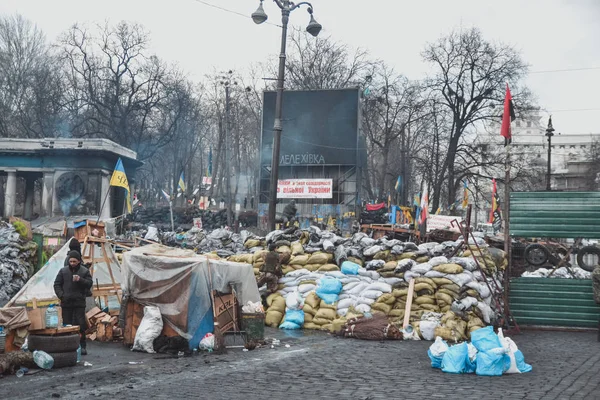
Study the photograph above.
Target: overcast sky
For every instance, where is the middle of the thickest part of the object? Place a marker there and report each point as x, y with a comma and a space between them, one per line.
551, 35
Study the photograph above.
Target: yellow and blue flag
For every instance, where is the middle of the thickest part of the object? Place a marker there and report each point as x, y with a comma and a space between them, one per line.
398, 185
120, 179
182, 182
465, 201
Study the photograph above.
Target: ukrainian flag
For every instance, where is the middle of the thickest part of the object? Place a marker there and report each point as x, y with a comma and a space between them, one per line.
120, 179
182, 182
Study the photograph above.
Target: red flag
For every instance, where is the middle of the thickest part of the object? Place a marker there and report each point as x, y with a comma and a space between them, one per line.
507, 117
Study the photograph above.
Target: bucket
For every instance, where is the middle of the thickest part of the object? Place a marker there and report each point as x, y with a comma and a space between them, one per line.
254, 326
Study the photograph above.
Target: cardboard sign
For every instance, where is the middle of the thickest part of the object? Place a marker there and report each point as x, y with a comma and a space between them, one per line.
305, 189
442, 222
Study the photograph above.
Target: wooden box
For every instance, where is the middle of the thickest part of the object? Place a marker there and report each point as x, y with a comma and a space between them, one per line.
225, 312
85, 228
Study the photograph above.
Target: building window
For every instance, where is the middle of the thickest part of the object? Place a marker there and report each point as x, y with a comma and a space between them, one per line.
583, 146
562, 146
529, 124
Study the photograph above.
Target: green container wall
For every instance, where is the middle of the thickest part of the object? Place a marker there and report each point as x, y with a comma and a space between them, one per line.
555, 214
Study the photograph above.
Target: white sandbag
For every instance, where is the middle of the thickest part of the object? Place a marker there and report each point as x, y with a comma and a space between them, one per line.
297, 273
357, 289
149, 329
342, 312
345, 303
328, 245
391, 281
370, 274
421, 268
486, 311
363, 308
349, 279
371, 294
364, 300
380, 286
435, 261
435, 274
461, 279
408, 275
307, 287
427, 329
371, 251
294, 301
482, 288
367, 241
336, 274
349, 286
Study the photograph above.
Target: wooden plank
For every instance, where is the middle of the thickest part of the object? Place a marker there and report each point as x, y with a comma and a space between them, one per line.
127, 337
409, 300
56, 331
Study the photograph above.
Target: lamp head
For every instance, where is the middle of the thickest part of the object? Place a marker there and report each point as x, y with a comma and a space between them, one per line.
313, 26
259, 16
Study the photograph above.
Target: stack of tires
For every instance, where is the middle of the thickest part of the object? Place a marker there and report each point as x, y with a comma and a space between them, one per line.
62, 348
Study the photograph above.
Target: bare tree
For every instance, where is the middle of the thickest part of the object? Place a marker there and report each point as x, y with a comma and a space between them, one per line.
469, 81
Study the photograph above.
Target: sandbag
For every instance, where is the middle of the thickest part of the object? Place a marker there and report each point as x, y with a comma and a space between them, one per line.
272, 297
442, 281
424, 300
380, 286
328, 268
320, 258
385, 308
308, 309
326, 313
300, 259
324, 304
311, 325
313, 300
448, 268
386, 298
396, 313
149, 329
429, 281
273, 318
400, 292
297, 248
321, 321
308, 317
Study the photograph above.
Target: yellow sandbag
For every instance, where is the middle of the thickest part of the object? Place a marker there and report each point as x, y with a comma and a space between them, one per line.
450, 293
284, 249
312, 267
284, 258
297, 248
442, 281
430, 307
381, 255
447, 334
356, 260
396, 313
474, 321
256, 271
385, 308
424, 300
272, 297
278, 304
452, 287
472, 293
311, 325
313, 300
328, 268
338, 323
308, 309
400, 292
389, 266
321, 321
443, 297
301, 259
458, 325
326, 313
287, 269
250, 243
448, 268
320, 258
307, 317
353, 314
386, 298
405, 256
422, 259
322, 304
447, 316
311, 282
474, 328
388, 274
327, 327
273, 318
424, 288
400, 305
428, 281
297, 266
258, 264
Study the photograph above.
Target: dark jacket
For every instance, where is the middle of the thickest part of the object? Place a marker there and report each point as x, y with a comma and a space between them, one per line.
73, 294
271, 264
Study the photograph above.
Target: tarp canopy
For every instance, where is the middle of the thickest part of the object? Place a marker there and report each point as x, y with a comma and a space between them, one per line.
41, 285
179, 283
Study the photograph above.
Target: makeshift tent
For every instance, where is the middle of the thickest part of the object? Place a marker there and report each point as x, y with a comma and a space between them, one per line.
179, 282
41, 285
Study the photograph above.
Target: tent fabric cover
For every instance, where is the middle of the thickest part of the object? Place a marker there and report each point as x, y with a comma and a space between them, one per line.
179, 283
41, 285
14, 318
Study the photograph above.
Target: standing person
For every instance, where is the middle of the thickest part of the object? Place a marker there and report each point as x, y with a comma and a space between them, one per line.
270, 271
245, 202
252, 203
71, 286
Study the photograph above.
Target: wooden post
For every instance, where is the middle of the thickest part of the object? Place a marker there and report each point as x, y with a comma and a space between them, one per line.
409, 300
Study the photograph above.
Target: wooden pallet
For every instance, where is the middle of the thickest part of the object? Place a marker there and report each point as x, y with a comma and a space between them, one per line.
56, 331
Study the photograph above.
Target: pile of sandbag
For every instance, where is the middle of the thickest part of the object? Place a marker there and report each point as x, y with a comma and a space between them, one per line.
488, 354
17, 261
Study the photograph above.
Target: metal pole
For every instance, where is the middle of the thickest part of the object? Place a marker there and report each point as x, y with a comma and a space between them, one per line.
507, 247
227, 157
171, 210
549, 172
277, 127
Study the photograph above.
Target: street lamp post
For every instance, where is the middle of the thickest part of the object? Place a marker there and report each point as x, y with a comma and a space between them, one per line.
259, 16
549, 134
227, 81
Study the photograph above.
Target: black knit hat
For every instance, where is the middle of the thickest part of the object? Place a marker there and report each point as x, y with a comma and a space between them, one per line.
74, 254
75, 245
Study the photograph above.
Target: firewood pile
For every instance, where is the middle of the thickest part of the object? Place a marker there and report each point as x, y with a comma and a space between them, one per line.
102, 326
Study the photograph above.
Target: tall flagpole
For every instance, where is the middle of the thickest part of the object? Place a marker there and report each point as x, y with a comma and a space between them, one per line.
507, 247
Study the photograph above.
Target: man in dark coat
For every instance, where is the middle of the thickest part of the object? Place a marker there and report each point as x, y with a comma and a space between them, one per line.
270, 271
71, 286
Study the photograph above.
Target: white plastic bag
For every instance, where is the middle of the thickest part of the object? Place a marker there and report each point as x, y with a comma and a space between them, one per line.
207, 343
152, 233
149, 329
427, 329
439, 347
294, 301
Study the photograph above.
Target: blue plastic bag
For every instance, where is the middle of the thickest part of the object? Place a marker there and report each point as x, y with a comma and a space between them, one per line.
295, 317
484, 339
289, 325
521, 364
329, 289
350, 268
436, 361
490, 364
455, 359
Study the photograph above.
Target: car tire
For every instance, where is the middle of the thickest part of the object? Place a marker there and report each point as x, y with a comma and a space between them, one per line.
65, 359
584, 251
53, 344
536, 254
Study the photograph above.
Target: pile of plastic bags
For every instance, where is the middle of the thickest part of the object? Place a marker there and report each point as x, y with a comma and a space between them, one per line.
488, 354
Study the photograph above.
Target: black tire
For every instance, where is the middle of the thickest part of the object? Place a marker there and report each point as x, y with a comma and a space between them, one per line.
584, 251
536, 254
65, 359
53, 344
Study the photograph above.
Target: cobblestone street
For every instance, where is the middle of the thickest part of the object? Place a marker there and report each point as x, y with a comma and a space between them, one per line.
565, 365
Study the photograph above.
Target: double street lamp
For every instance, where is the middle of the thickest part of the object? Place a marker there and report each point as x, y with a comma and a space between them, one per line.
549, 134
259, 16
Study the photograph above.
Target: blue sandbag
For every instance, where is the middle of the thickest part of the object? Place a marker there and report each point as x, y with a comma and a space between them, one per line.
455, 359
490, 364
470, 366
289, 325
521, 364
436, 361
329, 289
329, 298
350, 268
484, 339
295, 317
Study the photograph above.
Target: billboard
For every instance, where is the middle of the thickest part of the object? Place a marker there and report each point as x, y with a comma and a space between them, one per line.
305, 189
320, 127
